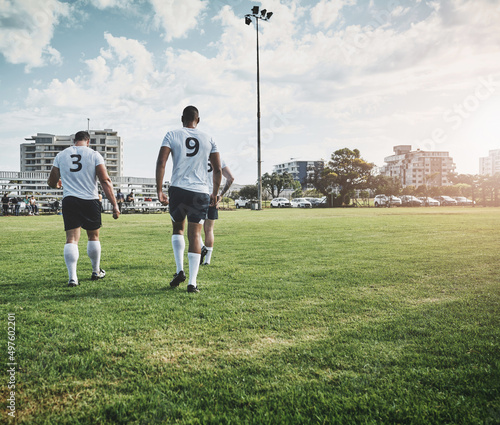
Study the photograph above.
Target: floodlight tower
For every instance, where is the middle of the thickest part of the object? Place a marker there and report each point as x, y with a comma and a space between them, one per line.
264, 15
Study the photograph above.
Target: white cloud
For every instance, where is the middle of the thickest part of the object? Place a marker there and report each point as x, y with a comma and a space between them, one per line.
125, 49
177, 17
399, 11
103, 4
26, 31
327, 12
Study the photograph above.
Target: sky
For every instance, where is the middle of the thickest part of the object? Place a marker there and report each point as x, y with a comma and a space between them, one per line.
361, 74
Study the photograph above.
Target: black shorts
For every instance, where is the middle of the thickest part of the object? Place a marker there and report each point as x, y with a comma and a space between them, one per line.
81, 213
184, 203
213, 213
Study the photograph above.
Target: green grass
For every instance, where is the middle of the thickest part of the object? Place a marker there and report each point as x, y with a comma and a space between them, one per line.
334, 316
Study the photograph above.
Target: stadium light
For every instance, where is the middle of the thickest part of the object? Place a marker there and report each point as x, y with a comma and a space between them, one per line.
264, 16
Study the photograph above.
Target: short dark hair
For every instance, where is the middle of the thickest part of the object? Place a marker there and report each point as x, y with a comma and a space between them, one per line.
82, 135
190, 114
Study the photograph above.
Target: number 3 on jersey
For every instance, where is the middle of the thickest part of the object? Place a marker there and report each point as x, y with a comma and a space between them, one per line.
76, 161
193, 145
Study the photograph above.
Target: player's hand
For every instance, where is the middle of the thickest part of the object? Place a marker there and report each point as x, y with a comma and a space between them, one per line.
163, 199
116, 212
59, 184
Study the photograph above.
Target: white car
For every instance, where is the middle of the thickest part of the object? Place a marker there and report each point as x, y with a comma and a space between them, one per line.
242, 203
280, 203
430, 202
462, 200
301, 203
383, 201
411, 201
446, 200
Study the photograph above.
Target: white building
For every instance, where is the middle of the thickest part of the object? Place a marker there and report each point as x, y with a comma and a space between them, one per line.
416, 168
38, 154
490, 165
300, 170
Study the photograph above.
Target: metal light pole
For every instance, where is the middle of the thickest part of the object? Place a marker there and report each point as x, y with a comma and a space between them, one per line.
265, 16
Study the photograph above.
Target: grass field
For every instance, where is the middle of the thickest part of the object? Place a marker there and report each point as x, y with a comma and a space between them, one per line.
329, 316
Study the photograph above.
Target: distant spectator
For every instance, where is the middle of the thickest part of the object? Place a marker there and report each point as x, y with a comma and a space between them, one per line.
33, 206
5, 204
27, 207
120, 199
100, 201
55, 206
130, 198
16, 203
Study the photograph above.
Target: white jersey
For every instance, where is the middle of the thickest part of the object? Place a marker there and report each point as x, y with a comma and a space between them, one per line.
77, 166
190, 149
211, 174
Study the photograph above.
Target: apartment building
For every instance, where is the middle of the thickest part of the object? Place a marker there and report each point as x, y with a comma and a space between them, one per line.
490, 165
300, 170
416, 168
37, 155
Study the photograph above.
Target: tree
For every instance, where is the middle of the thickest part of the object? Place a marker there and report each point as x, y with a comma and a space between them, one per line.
346, 170
471, 179
351, 170
322, 178
249, 192
275, 183
297, 193
496, 186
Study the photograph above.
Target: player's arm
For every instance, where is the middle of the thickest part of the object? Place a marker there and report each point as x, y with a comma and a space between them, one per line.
226, 173
160, 173
217, 177
54, 180
107, 187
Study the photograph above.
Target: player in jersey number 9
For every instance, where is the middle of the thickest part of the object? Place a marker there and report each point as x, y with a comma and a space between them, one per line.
188, 195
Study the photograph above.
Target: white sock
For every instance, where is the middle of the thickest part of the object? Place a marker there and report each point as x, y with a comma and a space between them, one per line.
178, 245
194, 266
208, 257
71, 255
94, 253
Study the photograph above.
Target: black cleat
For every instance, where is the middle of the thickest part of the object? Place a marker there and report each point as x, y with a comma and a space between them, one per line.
72, 283
192, 288
204, 251
97, 276
178, 278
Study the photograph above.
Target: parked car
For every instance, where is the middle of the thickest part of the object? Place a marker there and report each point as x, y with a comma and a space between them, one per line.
410, 201
383, 201
242, 203
380, 201
315, 202
446, 200
462, 200
300, 203
430, 202
280, 203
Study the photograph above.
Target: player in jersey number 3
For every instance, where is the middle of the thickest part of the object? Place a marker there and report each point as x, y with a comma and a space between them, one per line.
76, 169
